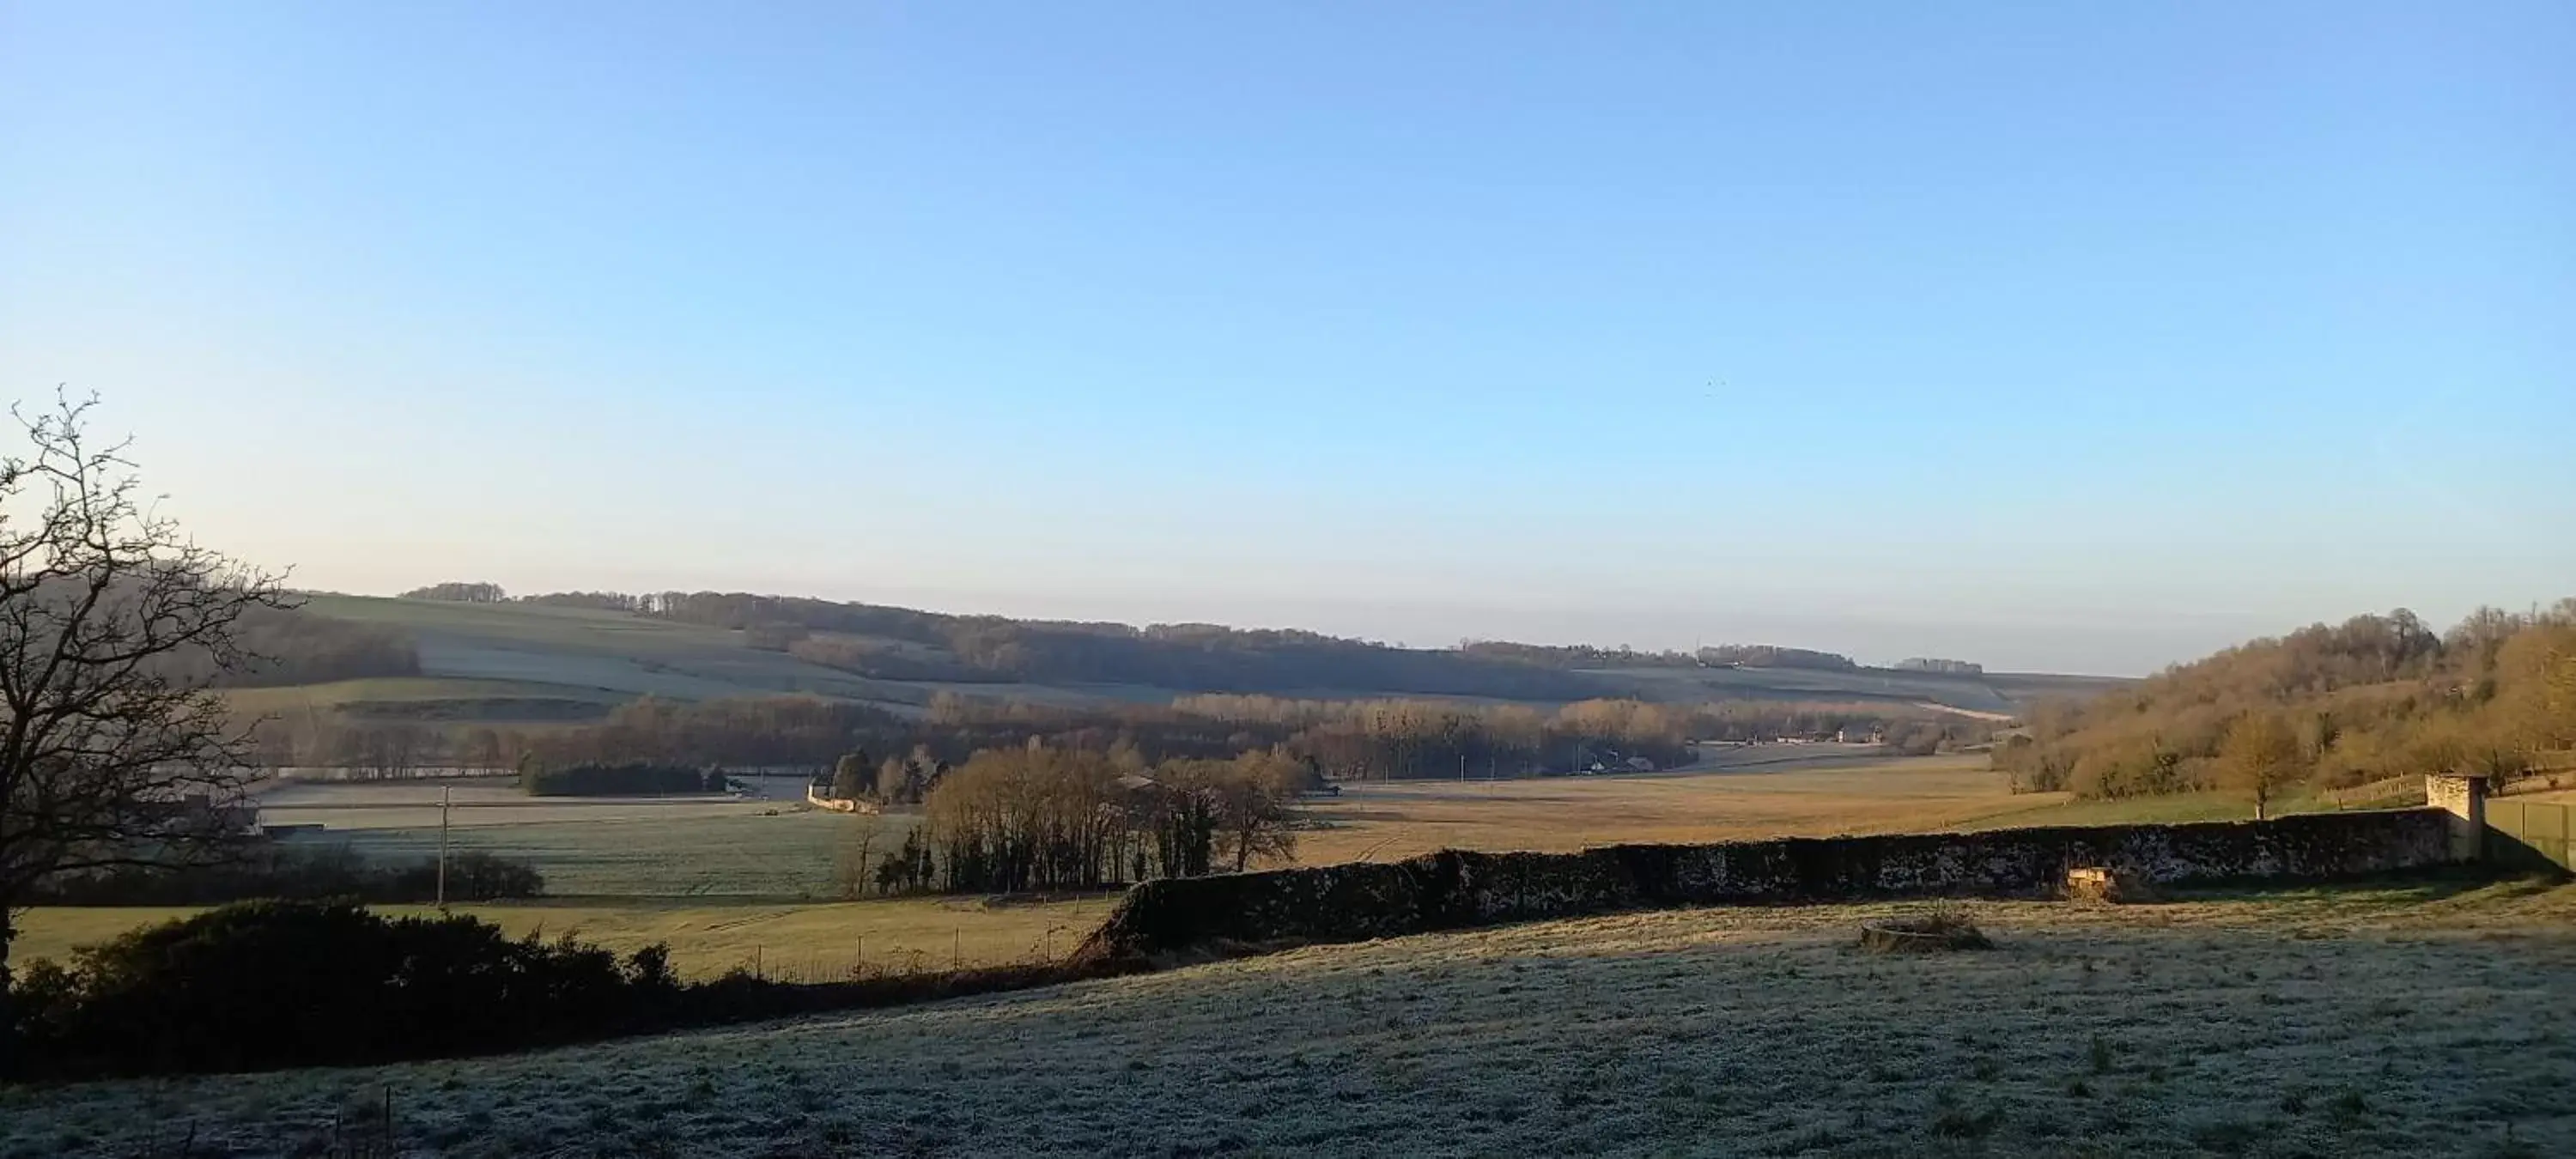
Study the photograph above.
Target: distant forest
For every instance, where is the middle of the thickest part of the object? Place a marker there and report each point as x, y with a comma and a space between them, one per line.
1340, 739
1579, 656
2375, 697
1931, 664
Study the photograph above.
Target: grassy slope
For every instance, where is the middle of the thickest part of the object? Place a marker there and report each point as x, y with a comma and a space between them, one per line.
811, 943
2029, 686
2413, 1021
431, 699
2035, 809
1998, 694
598, 652
785, 857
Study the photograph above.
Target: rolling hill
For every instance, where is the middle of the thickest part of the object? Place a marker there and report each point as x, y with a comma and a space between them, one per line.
532, 662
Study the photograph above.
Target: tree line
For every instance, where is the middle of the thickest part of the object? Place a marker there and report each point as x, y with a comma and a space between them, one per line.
1937, 664
1774, 656
905, 644
628, 780
459, 593
2375, 697
1391, 739
891, 643
1584, 656
1044, 818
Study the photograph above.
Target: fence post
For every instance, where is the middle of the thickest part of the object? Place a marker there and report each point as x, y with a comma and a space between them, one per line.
957, 948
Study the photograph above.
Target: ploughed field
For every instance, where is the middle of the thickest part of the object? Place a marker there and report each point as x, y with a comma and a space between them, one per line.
2394, 1020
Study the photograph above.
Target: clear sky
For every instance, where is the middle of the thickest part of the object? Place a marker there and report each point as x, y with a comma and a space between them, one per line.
2067, 336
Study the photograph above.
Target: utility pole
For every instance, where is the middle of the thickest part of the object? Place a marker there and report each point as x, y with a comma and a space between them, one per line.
445, 796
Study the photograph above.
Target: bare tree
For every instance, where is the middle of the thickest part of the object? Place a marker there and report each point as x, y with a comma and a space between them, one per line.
390, 751
856, 856
2260, 758
114, 750
1253, 795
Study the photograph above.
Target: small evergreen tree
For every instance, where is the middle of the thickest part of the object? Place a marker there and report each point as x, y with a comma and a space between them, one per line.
851, 777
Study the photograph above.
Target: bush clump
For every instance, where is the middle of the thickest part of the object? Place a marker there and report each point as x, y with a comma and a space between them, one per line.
631, 780
296, 983
266, 984
274, 870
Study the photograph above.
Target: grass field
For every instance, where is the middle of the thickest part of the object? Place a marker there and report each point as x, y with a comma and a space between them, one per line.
2419, 1020
593, 652
791, 856
806, 943
767, 845
713, 847
430, 699
485, 801
1399, 819
2031, 809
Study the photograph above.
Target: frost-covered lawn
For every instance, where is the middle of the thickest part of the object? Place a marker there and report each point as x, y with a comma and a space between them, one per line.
2388, 1021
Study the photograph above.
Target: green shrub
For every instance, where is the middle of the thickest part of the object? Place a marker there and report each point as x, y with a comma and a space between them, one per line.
269, 984
273, 870
280, 983
600, 780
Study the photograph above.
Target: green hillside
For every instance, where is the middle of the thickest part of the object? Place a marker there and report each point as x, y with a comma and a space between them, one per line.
529, 650
1974, 693
525, 662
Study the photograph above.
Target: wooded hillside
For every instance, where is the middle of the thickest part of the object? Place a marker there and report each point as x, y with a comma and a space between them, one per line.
2376, 696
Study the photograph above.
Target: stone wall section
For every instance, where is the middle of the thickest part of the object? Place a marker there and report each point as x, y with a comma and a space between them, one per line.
1454, 889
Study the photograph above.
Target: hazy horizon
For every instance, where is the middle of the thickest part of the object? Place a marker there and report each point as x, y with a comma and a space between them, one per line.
2056, 340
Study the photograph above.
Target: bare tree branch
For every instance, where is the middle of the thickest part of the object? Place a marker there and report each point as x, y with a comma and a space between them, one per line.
115, 750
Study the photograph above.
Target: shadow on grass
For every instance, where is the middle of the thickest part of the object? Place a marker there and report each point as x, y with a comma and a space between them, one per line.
2395, 890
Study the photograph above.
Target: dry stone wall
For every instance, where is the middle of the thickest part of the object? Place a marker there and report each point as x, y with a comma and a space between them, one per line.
1453, 889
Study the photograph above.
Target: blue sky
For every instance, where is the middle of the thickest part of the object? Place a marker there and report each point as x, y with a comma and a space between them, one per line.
2052, 336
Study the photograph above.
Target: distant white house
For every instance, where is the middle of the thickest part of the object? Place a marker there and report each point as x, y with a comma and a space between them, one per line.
1861, 734
820, 796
